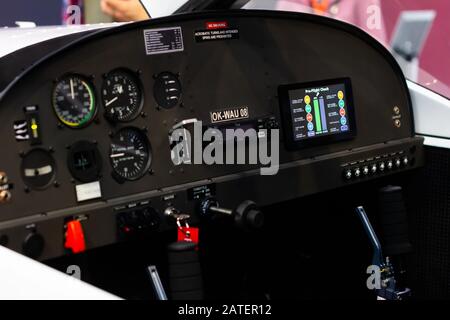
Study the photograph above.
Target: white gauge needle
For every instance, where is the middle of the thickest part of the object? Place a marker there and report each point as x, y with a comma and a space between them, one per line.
112, 101
72, 91
117, 155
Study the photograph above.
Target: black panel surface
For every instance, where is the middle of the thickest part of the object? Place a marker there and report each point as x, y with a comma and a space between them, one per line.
272, 49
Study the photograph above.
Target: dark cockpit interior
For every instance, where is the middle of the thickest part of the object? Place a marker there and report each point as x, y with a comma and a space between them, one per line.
121, 149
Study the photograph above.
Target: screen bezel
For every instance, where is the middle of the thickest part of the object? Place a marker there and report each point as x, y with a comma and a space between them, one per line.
286, 115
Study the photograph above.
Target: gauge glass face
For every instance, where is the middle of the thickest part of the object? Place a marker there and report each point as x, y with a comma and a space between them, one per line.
38, 169
130, 154
84, 161
167, 90
122, 96
74, 101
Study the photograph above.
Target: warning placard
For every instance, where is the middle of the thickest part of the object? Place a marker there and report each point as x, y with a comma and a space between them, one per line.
216, 35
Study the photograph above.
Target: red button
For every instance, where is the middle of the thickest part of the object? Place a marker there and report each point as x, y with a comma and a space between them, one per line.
75, 237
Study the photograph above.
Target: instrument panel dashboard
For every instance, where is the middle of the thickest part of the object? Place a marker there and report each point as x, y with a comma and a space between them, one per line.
87, 128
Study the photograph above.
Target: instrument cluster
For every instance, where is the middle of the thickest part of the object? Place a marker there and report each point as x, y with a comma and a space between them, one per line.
76, 105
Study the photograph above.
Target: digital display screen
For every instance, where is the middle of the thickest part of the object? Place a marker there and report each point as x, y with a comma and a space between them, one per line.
320, 111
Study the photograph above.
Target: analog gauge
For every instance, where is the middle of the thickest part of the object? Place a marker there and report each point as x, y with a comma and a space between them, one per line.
122, 96
84, 161
74, 101
38, 169
130, 154
167, 90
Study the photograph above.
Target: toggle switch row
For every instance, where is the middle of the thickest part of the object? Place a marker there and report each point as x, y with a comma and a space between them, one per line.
374, 168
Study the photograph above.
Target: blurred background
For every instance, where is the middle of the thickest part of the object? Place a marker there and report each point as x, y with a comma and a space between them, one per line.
47, 12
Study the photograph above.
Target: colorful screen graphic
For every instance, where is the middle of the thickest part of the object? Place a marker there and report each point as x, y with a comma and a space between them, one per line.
319, 111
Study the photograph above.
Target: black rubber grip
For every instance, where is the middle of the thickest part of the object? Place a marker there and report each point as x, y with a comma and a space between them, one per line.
394, 221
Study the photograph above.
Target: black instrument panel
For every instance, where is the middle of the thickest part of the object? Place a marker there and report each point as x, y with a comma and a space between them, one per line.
104, 107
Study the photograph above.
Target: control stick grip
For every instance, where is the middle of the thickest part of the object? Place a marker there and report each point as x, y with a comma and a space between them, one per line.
185, 275
394, 221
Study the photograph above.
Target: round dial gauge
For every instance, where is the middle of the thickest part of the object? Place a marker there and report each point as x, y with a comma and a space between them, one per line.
130, 154
167, 90
122, 96
38, 169
74, 101
84, 161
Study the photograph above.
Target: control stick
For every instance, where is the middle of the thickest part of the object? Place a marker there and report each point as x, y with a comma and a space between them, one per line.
246, 216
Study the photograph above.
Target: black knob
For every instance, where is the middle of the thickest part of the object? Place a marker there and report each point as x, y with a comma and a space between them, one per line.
33, 245
248, 216
255, 219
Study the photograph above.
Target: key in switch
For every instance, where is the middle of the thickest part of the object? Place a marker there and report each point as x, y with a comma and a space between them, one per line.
75, 237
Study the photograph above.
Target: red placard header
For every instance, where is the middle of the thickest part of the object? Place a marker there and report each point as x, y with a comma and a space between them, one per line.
216, 25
